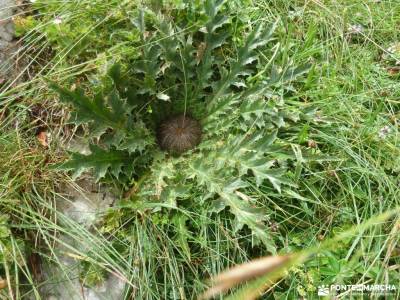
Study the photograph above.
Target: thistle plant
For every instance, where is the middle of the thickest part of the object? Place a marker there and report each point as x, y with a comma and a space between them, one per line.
184, 122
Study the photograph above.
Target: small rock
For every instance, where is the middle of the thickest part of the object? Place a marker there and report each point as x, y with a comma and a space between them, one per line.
84, 201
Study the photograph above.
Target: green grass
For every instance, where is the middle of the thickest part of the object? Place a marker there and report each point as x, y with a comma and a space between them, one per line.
355, 177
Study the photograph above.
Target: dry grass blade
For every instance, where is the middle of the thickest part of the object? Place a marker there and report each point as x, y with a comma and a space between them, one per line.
244, 272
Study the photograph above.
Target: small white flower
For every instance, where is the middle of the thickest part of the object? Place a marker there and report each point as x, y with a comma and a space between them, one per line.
295, 13
392, 49
355, 29
57, 21
392, 53
383, 132
163, 97
318, 117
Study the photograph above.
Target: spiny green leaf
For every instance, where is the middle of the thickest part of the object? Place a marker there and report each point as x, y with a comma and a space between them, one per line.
170, 44
242, 208
161, 172
253, 217
211, 7
294, 72
134, 143
100, 114
235, 184
258, 142
170, 193
99, 160
217, 40
150, 66
246, 55
265, 141
139, 21
223, 107
217, 22
212, 40
249, 108
249, 154
115, 73
204, 175
137, 139
182, 233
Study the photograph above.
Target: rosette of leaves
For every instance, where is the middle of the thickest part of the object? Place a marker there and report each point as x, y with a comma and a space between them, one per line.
183, 69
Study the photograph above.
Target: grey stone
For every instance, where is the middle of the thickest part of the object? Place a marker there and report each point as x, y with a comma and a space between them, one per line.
5, 36
7, 30
7, 8
82, 202
65, 284
85, 201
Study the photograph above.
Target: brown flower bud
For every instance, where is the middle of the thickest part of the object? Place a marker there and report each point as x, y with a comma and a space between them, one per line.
179, 134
